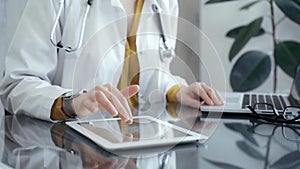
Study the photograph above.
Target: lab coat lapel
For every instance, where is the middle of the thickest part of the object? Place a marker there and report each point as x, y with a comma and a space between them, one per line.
148, 28
116, 3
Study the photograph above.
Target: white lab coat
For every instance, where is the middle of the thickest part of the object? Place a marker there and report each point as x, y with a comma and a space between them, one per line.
36, 73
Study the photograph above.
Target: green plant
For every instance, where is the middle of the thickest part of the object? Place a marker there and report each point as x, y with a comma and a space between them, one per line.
253, 67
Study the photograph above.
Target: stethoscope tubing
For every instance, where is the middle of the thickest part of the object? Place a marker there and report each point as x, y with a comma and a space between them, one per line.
157, 11
82, 30
165, 51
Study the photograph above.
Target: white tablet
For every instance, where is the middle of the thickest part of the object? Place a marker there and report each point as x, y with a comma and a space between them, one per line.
145, 132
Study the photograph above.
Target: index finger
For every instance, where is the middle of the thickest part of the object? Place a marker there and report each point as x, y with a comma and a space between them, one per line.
202, 93
122, 101
213, 94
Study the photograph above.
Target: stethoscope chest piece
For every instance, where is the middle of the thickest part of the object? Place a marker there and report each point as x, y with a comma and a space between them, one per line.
165, 52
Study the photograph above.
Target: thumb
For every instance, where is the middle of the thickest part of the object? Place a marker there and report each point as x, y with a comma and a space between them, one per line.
130, 90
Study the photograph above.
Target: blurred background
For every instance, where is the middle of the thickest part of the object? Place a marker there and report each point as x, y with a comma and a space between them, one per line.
202, 46
215, 20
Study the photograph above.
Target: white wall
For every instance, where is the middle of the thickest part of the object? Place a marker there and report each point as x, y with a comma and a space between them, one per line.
218, 19
187, 63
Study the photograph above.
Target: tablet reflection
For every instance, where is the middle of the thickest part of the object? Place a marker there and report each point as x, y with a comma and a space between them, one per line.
94, 156
192, 119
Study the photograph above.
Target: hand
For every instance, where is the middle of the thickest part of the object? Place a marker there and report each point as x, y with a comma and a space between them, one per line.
197, 93
106, 98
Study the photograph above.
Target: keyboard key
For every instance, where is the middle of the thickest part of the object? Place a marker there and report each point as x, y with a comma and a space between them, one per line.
253, 99
262, 107
261, 99
282, 101
269, 101
277, 103
246, 100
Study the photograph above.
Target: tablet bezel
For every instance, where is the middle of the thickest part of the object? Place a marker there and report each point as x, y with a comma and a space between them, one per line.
101, 141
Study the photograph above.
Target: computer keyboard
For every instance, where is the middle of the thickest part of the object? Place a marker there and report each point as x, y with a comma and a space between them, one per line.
276, 100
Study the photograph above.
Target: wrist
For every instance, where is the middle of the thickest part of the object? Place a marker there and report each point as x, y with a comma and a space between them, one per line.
57, 112
179, 93
68, 103
172, 95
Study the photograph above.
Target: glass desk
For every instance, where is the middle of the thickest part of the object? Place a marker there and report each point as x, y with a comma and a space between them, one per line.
235, 143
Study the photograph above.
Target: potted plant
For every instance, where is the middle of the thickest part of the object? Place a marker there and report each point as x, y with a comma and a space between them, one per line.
253, 67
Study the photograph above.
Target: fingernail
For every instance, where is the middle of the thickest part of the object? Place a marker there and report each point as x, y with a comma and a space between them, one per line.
129, 121
220, 102
115, 113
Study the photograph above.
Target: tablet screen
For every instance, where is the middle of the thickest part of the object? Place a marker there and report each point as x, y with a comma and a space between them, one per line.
116, 131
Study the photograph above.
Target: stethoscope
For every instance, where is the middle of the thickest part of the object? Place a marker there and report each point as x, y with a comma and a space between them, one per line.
165, 51
59, 44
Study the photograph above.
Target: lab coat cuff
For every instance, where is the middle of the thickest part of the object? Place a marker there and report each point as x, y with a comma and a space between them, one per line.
172, 92
51, 102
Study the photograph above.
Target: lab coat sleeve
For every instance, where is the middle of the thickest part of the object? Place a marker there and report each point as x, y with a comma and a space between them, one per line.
31, 63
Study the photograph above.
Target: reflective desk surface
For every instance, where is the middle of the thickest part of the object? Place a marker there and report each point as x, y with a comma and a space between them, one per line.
234, 143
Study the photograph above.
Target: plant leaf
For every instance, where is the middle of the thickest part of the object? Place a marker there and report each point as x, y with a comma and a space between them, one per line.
217, 1
244, 36
223, 165
248, 136
247, 6
287, 55
246, 148
234, 32
243, 130
250, 71
289, 160
235, 126
291, 8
